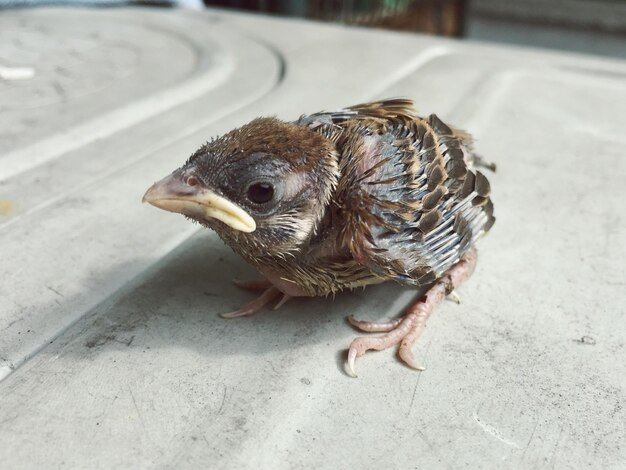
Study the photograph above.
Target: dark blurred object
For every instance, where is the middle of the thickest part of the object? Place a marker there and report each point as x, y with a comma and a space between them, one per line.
441, 17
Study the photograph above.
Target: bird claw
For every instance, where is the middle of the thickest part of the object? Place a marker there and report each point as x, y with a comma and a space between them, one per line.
282, 301
235, 314
352, 355
454, 297
407, 357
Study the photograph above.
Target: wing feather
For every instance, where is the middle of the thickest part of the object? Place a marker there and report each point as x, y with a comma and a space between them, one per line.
411, 204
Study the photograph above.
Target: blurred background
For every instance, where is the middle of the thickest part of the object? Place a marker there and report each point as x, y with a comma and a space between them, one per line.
587, 26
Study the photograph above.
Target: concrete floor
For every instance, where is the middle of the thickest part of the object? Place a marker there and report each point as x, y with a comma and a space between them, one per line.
112, 351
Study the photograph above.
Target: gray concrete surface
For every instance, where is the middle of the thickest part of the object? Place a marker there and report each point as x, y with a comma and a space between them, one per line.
112, 351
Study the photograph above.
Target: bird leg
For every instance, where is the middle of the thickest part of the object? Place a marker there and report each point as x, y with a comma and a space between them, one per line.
269, 293
282, 301
372, 327
405, 331
254, 306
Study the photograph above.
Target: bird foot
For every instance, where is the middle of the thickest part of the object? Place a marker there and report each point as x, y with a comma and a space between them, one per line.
257, 304
405, 331
254, 306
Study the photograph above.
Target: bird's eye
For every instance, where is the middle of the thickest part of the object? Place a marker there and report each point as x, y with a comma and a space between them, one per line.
260, 193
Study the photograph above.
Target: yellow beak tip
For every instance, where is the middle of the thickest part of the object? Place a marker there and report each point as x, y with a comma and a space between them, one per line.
203, 204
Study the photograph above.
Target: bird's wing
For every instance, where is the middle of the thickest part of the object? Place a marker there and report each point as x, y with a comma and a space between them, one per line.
411, 205
329, 122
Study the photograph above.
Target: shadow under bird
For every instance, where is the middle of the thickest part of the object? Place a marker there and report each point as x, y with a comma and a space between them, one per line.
339, 200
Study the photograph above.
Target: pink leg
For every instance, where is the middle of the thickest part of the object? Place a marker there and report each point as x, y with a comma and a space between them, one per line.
406, 331
371, 327
254, 306
282, 301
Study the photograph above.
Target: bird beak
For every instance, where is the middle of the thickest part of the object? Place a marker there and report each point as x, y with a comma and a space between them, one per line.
174, 194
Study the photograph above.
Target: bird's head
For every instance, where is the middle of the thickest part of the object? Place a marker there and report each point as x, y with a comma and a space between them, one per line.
263, 187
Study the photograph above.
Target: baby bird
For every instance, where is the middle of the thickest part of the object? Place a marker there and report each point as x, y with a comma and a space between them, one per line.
339, 200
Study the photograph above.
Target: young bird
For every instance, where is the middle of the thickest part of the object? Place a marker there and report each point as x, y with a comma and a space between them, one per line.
338, 200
